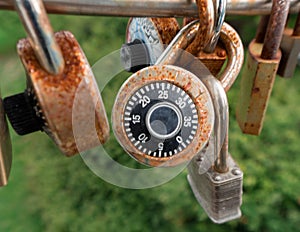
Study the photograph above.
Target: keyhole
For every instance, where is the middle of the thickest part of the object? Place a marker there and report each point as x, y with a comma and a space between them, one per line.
164, 120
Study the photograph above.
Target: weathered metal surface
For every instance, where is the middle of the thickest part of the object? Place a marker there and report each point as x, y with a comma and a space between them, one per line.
189, 83
40, 33
5, 148
156, 33
262, 28
219, 194
256, 87
206, 27
204, 45
297, 26
290, 47
260, 71
55, 94
167, 28
275, 29
235, 53
153, 8
214, 61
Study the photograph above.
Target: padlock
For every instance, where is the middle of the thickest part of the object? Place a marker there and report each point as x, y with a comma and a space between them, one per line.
163, 114
139, 114
260, 72
219, 189
234, 49
5, 148
290, 48
219, 194
47, 102
213, 56
146, 39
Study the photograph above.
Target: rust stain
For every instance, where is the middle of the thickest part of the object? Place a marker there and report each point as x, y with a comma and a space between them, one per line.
56, 93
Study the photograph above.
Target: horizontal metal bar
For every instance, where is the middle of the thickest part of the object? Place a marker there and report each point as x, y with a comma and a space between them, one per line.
151, 8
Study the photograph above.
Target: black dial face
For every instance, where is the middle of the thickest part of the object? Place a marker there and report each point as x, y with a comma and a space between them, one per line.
160, 119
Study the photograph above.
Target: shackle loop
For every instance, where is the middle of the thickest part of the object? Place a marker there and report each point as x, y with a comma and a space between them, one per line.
278, 17
205, 31
228, 36
37, 25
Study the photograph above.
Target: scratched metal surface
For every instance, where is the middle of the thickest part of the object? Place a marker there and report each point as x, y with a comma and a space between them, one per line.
154, 8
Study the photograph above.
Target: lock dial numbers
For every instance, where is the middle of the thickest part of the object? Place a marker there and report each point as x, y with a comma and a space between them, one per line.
160, 119
163, 115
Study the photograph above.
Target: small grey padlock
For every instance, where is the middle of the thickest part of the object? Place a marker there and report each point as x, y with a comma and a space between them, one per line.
220, 194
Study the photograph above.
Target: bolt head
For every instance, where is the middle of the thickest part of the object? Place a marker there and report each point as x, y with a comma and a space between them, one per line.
236, 172
217, 178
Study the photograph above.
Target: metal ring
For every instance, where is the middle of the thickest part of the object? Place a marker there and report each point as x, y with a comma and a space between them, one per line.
34, 18
206, 28
174, 109
230, 39
235, 50
220, 12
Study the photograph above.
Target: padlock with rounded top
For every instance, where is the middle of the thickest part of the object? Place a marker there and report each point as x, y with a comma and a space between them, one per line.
213, 54
146, 39
260, 71
47, 102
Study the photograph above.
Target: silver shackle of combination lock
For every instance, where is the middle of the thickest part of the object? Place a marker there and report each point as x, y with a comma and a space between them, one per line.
215, 87
36, 23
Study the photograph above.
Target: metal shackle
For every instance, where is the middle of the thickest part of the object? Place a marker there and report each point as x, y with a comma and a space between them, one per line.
206, 11
35, 20
228, 36
234, 46
220, 12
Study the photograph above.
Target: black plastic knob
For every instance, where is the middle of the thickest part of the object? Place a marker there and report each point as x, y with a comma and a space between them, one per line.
23, 113
134, 56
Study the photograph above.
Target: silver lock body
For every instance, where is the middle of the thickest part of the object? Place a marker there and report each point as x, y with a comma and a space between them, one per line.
219, 194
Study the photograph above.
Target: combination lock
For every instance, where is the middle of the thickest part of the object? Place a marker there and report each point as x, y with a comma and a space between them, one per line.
160, 119
163, 115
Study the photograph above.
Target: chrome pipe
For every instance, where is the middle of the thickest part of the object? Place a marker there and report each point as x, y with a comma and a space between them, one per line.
151, 8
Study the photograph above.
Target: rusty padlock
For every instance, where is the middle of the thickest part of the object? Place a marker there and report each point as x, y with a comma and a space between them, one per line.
163, 114
213, 55
146, 39
260, 72
290, 48
139, 98
47, 102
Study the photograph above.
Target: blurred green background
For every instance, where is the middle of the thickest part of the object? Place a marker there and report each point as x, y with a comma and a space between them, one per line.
48, 192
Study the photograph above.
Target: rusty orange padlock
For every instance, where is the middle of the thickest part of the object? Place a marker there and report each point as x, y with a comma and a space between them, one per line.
57, 70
